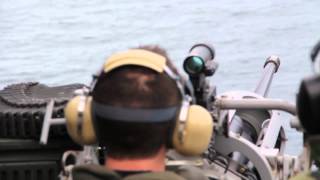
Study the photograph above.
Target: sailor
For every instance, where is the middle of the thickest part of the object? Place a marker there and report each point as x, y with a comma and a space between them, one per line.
134, 110
308, 107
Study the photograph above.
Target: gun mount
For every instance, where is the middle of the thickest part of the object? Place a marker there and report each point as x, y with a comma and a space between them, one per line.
249, 139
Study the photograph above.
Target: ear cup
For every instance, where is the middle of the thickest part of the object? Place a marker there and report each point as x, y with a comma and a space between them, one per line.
196, 134
80, 132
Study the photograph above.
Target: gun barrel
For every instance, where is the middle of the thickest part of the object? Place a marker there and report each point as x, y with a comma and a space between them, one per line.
270, 104
271, 66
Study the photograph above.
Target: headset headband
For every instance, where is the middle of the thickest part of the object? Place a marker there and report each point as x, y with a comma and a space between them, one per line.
140, 57
137, 57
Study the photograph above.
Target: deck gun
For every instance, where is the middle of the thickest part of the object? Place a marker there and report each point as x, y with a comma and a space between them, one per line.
249, 138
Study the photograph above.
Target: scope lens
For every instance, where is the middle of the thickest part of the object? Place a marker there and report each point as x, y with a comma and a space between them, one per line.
193, 65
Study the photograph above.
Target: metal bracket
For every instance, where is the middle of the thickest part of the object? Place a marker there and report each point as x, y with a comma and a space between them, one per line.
48, 121
236, 143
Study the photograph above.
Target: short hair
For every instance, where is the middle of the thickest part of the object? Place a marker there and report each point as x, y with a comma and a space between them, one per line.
135, 87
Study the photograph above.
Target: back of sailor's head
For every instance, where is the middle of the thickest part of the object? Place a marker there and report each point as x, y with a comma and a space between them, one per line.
135, 87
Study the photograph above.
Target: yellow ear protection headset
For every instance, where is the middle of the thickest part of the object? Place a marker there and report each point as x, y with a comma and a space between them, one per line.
194, 124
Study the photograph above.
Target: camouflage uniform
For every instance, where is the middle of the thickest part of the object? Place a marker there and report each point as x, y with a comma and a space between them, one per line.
307, 176
313, 144
96, 172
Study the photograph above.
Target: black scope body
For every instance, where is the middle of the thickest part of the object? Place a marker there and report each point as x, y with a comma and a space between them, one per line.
308, 104
308, 99
200, 60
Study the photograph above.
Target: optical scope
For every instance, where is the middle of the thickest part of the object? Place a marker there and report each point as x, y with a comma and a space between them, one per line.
200, 60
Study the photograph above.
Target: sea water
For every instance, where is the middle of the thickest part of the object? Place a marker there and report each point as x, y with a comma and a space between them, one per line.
60, 42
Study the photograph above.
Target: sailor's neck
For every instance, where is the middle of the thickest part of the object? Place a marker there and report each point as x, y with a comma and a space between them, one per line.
154, 164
